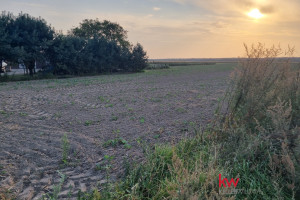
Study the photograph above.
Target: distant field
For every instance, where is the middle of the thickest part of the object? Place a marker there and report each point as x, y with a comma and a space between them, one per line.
188, 63
105, 119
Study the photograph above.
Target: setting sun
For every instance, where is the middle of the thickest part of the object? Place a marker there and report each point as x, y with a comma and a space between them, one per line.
255, 13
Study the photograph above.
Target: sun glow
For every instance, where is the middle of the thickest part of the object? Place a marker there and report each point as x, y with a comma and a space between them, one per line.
255, 13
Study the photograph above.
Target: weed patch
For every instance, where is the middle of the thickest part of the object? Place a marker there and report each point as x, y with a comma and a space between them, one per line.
65, 149
116, 142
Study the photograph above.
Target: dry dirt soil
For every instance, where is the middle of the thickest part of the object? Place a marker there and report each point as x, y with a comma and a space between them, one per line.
107, 121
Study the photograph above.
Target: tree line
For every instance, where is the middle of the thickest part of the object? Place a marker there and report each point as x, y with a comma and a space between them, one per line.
92, 47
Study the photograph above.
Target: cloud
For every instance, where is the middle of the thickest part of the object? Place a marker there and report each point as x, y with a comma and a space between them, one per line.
269, 9
245, 3
218, 24
201, 28
267, 6
36, 5
150, 15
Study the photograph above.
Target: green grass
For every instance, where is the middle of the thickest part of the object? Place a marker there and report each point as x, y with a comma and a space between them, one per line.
2, 112
193, 69
58, 115
114, 118
88, 123
23, 114
22, 77
103, 99
56, 189
65, 149
2, 171
181, 110
71, 81
117, 141
108, 157
158, 176
109, 105
142, 120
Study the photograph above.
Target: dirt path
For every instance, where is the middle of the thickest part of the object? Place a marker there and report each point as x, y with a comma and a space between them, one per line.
106, 120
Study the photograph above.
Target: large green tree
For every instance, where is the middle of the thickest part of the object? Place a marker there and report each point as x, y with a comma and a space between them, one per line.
66, 54
90, 28
138, 59
34, 36
25, 38
7, 52
93, 47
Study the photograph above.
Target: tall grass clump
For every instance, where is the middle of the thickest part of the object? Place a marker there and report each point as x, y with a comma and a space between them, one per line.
262, 80
65, 148
258, 135
185, 171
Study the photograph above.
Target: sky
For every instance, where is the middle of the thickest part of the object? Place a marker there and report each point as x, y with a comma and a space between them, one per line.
180, 28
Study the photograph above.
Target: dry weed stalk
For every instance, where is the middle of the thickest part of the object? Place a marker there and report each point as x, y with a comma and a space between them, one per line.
261, 78
283, 140
264, 111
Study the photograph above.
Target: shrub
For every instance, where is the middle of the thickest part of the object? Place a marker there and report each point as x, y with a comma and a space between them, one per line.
260, 80
157, 66
261, 121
